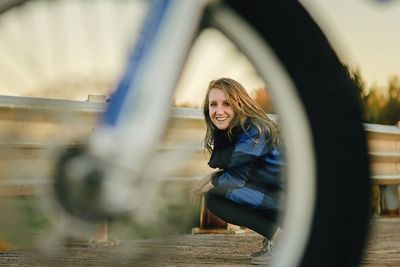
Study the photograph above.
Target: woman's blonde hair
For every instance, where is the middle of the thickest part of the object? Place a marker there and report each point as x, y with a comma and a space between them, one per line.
244, 107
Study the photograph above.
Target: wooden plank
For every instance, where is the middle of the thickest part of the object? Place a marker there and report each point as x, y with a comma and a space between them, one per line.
382, 249
383, 246
180, 250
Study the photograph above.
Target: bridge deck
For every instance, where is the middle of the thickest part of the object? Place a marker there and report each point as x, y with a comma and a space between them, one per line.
383, 249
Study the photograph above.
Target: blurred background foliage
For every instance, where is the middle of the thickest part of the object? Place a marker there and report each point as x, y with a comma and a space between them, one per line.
381, 104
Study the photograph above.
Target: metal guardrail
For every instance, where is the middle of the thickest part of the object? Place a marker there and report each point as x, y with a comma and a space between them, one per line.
384, 147
29, 126
32, 130
35, 103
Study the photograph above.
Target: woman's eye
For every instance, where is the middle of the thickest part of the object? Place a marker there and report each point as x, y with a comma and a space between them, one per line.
212, 104
227, 104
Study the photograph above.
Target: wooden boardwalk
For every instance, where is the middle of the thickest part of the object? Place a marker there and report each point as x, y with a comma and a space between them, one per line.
383, 249
182, 250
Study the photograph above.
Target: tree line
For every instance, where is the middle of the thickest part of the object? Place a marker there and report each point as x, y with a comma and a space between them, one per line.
381, 105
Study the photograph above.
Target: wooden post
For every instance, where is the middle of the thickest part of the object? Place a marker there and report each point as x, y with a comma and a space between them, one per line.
209, 220
211, 224
376, 200
100, 234
398, 196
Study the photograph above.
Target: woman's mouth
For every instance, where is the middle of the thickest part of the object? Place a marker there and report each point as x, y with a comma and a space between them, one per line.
221, 118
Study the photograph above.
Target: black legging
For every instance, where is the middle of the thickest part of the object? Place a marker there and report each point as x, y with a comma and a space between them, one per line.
263, 222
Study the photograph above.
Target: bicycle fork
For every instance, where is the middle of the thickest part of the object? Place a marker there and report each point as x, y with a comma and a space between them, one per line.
108, 176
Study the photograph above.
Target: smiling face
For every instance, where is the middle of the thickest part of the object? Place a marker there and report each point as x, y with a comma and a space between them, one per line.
220, 110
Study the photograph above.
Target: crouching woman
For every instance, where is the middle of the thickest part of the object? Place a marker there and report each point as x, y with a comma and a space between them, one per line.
244, 146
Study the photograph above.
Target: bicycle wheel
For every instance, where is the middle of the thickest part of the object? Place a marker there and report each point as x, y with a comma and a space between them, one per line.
71, 49
341, 161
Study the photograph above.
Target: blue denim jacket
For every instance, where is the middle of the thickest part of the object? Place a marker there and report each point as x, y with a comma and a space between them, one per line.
252, 175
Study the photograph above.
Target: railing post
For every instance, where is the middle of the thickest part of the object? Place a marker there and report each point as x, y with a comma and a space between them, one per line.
211, 224
100, 234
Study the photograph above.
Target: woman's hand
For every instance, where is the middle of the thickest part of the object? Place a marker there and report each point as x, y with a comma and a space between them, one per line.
206, 188
202, 186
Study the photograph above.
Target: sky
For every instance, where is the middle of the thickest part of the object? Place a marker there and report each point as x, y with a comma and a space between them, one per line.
70, 48
365, 34
213, 57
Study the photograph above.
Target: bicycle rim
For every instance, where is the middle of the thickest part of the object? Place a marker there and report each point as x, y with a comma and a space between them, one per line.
318, 168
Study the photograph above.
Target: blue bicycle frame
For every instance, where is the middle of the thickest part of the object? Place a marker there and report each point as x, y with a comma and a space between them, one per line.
130, 129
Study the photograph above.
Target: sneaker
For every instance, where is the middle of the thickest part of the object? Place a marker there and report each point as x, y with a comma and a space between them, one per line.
263, 249
265, 255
